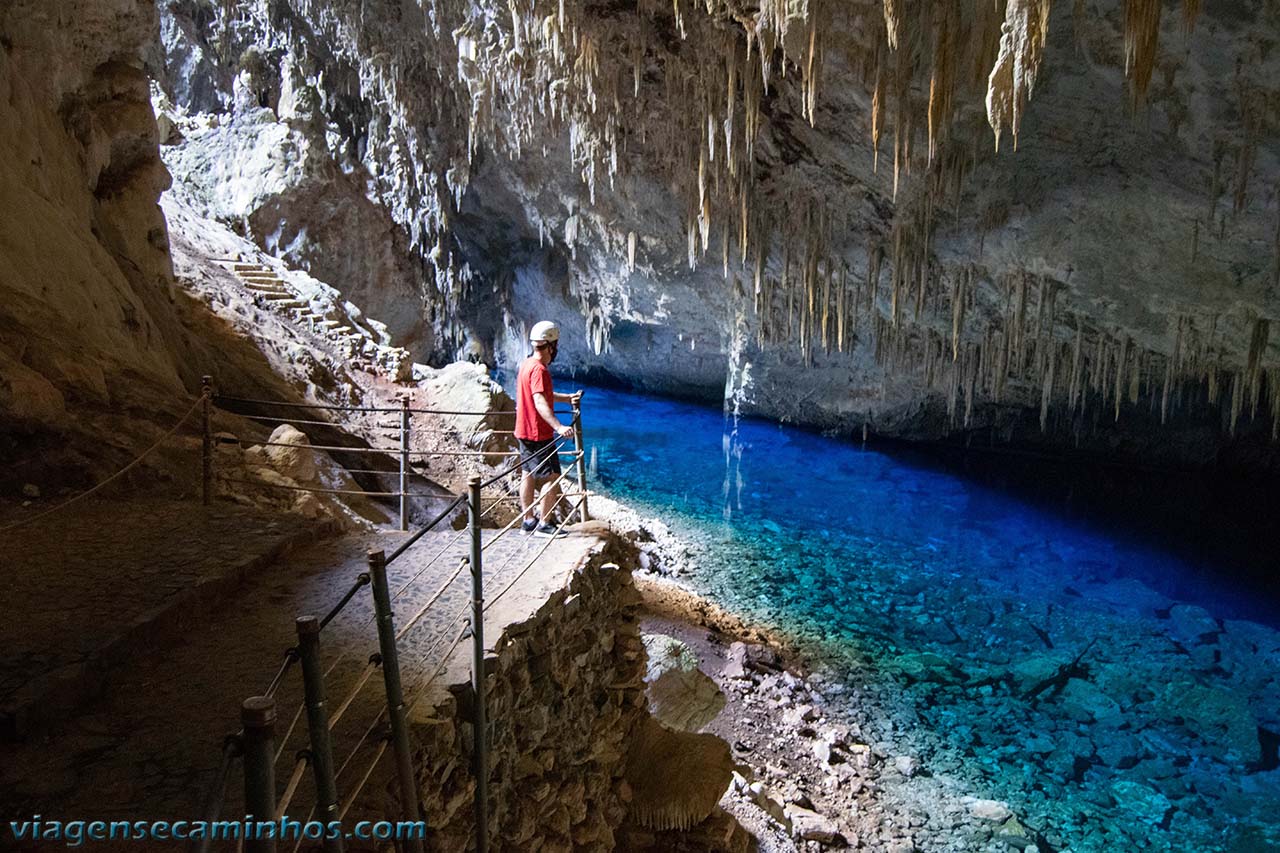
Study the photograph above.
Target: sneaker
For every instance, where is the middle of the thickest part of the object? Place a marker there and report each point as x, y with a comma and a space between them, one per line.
529, 525
549, 531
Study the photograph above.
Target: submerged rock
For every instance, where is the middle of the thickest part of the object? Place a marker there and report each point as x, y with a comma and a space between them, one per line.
1191, 624
992, 810
1222, 720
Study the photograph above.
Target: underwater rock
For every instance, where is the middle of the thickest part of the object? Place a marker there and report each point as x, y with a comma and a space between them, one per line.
1142, 802
907, 765
1191, 624
1221, 719
1085, 703
927, 666
992, 810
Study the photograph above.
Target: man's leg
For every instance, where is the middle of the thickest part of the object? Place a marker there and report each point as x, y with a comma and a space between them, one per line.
528, 492
550, 497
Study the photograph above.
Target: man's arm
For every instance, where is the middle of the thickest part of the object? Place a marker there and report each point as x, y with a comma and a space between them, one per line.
547, 413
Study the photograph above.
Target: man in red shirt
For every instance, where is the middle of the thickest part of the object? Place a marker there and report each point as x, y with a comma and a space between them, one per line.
537, 428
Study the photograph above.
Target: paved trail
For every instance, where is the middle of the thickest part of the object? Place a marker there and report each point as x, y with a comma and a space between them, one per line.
148, 746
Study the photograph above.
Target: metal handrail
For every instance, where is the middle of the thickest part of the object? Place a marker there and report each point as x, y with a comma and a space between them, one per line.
211, 809
395, 708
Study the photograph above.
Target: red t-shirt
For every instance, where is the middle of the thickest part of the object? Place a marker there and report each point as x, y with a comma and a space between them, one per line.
534, 378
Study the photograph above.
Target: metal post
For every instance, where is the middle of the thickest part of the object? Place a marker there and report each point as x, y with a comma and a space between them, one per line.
582, 469
318, 724
395, 694
206, 446
479, 723
258, 716
404, 463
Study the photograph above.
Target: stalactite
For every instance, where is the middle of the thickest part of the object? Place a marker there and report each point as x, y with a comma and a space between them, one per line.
1074, 392
1253, 373
1046, 392
1122, 361
1190, 12
957, 312
1141, 40
1013, 77
1237, 402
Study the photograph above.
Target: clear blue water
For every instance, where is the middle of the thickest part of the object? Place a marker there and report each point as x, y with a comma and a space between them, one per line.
761, 483
877, 558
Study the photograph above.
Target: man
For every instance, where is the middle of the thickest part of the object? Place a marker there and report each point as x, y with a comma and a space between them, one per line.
537, 427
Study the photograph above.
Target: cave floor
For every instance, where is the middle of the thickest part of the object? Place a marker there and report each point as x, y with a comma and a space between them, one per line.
90, 586
149, 744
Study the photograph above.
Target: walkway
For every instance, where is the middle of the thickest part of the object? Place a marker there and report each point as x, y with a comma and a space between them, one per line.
148, 747
87, 589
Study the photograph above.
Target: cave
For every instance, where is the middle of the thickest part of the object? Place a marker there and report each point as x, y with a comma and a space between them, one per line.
647, 426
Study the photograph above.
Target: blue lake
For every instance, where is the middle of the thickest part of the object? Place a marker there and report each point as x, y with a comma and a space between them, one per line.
887, 563
759, 483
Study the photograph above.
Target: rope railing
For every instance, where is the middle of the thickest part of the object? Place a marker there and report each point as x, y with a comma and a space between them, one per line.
388, 725
137, 460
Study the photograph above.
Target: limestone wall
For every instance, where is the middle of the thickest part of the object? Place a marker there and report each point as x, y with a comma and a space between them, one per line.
85, 276
566, 698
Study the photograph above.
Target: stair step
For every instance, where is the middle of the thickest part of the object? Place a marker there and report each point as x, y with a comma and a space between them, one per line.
265, 288
342, 330
251, 268
329, 324
264, 277
279, 294
288, 303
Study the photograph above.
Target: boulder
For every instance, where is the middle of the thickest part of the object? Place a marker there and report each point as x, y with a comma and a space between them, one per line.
466, 387
1085, 703
992, 810
680, 695
1189, 624
292, 461
745, 658
907, 765
1223, 720
808, 825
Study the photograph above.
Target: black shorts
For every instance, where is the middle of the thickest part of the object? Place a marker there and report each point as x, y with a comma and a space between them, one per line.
539, 458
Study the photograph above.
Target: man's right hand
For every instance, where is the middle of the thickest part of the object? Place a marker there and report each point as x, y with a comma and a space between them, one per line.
565, 431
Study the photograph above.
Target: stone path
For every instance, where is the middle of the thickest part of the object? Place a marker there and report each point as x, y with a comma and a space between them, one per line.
87, 588
149, 746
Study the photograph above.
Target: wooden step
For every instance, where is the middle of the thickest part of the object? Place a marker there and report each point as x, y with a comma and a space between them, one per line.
251, 268
265, 288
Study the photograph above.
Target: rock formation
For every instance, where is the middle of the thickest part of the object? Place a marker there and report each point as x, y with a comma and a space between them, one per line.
801, 208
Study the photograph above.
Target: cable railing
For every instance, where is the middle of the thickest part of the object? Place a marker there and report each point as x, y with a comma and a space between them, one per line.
405, 455
387, 732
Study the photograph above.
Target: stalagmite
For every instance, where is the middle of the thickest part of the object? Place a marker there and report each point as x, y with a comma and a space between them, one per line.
631, 252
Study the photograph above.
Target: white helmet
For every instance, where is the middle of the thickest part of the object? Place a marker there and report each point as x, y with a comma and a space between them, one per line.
544, 332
